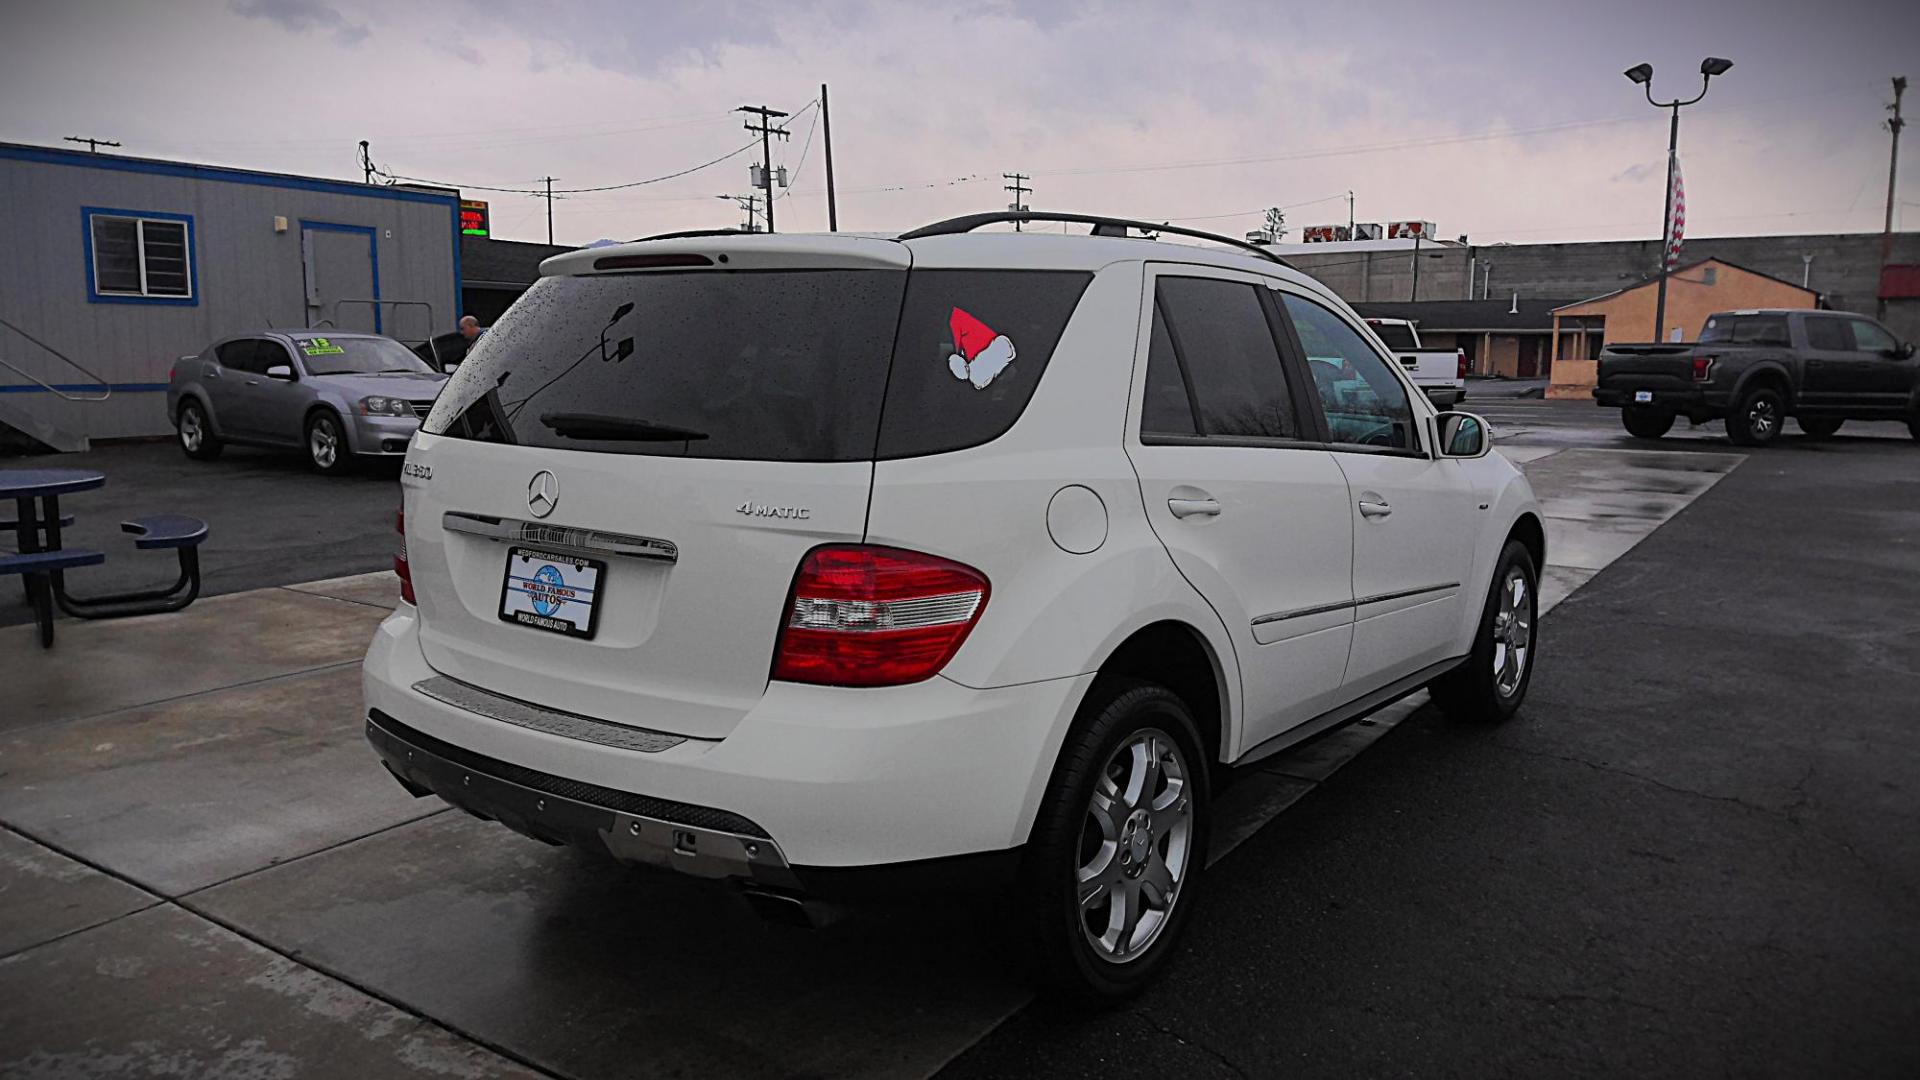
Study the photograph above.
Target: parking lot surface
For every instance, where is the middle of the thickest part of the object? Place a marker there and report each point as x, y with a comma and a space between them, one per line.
271, 520
1695, 849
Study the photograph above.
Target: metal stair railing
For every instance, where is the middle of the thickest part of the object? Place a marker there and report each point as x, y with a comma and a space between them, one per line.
106, 388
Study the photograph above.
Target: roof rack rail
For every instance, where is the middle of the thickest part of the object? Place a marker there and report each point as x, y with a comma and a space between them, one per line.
1102, 226
690, 233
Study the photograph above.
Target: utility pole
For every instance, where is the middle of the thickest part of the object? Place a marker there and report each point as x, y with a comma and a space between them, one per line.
750, 204
549, 181
826, 123
1893, 172
1019, 189
366, 161
766, 131
94, 145
1350, 235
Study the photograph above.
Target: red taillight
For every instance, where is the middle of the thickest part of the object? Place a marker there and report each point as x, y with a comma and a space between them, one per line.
1702, 368
875, 616
400, 566
1459, 363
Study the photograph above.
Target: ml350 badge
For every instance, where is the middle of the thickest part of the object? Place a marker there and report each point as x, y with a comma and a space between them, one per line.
551, 592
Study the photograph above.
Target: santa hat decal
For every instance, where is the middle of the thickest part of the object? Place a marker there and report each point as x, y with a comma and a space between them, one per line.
982, 354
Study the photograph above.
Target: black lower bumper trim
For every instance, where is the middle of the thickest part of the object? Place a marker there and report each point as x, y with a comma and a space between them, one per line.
384, 730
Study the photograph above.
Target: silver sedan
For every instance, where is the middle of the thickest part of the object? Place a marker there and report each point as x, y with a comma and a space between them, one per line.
336, 396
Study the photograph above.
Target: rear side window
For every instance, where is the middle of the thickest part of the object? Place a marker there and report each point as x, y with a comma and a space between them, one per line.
1213, 366
241, 355
1393, 335
971, 348
1745, 330
1828, 333
783, 365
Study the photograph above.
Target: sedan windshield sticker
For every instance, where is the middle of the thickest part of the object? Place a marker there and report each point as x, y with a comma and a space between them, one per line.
320, 347
980, 353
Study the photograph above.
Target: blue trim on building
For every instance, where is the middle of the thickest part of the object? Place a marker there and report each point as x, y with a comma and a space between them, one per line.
95, 296
373, 254
76, 388
112, 163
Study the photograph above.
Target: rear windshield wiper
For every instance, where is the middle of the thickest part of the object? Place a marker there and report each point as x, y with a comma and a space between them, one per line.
615, 428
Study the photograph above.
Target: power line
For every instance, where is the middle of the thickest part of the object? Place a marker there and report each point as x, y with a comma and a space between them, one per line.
569, 191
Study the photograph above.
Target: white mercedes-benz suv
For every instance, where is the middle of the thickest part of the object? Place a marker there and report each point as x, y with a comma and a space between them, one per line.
825, 564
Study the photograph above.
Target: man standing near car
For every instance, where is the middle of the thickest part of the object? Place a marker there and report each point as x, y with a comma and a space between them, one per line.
448, 351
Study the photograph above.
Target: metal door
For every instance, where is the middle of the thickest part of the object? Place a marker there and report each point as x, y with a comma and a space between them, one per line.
341, 263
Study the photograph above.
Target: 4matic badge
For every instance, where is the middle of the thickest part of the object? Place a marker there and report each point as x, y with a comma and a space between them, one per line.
791, 513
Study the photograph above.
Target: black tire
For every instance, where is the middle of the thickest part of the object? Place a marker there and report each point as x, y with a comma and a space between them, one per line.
1067, 837
1819, 427
1474, 691
1757, 419
1646, 423
194, 434
326, 444
1913, 426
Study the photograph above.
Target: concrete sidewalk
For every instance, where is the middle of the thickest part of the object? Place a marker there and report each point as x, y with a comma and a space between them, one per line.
195, 840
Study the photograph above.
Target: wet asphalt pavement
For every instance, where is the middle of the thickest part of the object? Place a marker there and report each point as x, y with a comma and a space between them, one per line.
1695, 852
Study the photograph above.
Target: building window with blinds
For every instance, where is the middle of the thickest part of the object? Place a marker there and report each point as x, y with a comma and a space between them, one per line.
139, 257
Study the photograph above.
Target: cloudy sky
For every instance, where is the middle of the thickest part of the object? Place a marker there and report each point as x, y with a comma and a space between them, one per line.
1504, 121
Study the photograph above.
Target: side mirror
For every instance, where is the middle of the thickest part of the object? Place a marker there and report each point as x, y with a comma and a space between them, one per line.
1463, 435
283, 372
1902, 352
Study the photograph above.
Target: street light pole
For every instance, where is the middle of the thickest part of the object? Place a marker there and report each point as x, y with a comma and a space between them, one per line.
1666, 223
1643, 75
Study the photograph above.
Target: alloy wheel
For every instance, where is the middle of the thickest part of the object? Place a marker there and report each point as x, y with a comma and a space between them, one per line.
191, 434
323, 443
1512, 633
1762, 418
1135, 847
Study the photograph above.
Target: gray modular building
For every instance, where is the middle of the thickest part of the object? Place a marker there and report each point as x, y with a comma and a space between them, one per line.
116, 266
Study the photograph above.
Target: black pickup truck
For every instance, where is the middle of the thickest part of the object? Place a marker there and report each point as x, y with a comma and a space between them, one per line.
1756, 368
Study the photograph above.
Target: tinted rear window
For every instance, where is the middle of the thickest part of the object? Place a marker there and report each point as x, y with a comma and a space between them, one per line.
774, 365
972, 347
1745, 330
1394, 335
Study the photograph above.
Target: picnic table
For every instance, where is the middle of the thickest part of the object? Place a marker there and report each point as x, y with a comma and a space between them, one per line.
42, 560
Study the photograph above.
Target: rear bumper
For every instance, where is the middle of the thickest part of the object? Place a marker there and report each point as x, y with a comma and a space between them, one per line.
1690, 401
825, 790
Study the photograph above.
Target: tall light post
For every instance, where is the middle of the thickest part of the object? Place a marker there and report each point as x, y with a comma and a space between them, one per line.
1643, 74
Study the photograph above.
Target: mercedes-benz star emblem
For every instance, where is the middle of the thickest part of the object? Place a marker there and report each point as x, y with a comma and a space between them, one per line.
543, 493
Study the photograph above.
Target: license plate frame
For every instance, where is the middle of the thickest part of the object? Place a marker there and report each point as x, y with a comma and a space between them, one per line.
1642, 397
571, 575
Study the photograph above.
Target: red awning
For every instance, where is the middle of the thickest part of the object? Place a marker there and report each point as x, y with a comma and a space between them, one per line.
1900, 283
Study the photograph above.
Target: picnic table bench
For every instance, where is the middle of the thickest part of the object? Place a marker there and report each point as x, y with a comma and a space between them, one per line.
42, 561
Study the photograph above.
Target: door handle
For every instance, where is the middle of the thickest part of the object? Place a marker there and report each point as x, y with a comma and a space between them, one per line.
1372, 509
253, 382
1185, 508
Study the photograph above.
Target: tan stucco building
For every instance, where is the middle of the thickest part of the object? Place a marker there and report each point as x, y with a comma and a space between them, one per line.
1694, 291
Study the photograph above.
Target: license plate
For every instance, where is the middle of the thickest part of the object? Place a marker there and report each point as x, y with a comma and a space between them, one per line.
1641, 397
552, 592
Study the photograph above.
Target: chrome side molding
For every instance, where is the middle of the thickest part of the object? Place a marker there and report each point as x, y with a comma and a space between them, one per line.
1358, 602
572, 540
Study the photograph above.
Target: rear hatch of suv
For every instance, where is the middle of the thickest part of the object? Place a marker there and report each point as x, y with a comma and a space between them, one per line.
664, 437
607, 506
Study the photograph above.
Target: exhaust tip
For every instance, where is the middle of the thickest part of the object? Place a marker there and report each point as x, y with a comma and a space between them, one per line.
786, 909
